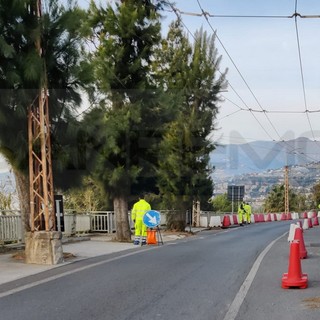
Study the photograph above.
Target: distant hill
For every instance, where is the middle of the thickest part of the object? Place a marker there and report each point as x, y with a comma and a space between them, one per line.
259, 156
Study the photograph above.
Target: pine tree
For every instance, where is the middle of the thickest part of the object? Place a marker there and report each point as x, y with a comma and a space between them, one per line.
129, 110
275, 200
190, 77
20, 76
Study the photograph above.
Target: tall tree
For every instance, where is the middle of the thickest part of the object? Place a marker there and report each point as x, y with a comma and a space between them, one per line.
129, 110
221, 203
316, 195
21, 72
190, 73
275, 200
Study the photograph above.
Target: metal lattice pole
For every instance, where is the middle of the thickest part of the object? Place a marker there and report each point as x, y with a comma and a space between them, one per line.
40, 164
286, 189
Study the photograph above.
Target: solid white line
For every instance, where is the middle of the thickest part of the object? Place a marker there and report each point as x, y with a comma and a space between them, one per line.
238, 300
36, 283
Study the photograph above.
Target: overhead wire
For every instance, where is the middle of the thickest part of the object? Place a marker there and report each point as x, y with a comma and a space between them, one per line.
229, 84
205, 15
301, 71
295, 15
201, 14
238, 70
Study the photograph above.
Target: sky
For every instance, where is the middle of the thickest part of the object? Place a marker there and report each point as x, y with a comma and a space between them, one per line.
273, 65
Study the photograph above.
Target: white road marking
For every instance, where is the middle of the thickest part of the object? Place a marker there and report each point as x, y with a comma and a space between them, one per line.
238, 300
52, 278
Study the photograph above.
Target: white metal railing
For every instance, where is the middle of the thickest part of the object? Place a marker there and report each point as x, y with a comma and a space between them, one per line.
10, 228
103, 221
97, 221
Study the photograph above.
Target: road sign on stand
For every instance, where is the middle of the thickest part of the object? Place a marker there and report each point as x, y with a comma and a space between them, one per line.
152, 218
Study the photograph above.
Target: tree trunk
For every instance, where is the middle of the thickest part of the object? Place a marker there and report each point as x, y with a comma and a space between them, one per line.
22, 186
123, 233
176, 220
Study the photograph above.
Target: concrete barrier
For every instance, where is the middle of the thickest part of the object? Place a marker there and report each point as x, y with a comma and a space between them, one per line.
215, 221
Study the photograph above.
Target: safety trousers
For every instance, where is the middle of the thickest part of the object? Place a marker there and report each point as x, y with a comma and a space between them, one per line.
140, 231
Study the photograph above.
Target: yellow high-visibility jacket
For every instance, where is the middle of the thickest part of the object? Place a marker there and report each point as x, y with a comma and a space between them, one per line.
247, 208
139, 209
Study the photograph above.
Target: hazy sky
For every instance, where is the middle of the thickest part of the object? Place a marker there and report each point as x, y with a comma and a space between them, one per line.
269, 76
266, 69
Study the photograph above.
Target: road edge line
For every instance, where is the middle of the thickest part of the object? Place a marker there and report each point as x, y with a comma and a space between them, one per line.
240, 296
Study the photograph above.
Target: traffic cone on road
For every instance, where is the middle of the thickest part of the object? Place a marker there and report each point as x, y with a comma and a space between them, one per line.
310, 223
315, 221
294, 278
226, 221
305, 225
298, 235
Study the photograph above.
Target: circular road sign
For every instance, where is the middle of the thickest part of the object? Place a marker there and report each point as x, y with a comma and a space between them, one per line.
151, 218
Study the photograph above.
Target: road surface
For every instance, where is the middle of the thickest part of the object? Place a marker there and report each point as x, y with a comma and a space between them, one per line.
194, 278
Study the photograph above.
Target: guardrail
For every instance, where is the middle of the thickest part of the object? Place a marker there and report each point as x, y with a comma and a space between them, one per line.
74, 223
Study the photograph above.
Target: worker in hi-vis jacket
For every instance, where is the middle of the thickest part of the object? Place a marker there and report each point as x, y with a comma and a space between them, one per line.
241, 212
247, 209
137, 213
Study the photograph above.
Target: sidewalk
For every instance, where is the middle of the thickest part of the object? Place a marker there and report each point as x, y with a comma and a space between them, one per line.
12, 266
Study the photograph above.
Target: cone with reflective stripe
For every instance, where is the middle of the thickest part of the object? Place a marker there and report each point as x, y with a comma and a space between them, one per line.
298, 235
294, 278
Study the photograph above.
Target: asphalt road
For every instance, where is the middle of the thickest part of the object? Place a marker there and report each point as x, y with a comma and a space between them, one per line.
195, 278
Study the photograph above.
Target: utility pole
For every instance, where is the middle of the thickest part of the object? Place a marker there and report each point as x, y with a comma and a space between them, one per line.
43, 243
286, 189
40, 164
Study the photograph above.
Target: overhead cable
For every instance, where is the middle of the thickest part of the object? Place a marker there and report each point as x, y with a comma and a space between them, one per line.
301, 72
210, 15
215, 34
236, 67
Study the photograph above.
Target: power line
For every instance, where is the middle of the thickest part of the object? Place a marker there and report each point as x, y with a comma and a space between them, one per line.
229, 84
271, 111
301, 71
242, 77
210, 15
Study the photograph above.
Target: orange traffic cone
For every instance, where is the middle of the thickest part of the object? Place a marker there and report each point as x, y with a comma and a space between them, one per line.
315, 221
294, 278
151, 236
298, 235
226, 221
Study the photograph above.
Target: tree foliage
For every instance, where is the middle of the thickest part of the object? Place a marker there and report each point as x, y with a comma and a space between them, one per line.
316, 195
22, 72
127, 34
275, 201
189, 77
220, 203
87, 197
